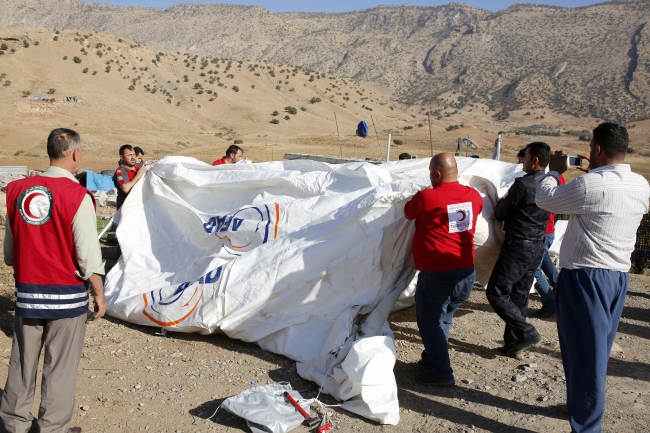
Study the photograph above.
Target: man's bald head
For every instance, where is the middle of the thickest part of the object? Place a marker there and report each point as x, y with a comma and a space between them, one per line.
443, 169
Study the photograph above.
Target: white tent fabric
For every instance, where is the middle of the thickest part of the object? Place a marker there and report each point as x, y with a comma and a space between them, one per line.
304, 258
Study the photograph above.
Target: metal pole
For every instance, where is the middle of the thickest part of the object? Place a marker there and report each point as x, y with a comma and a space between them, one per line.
430, 133
106, 227
339, 135
388, 149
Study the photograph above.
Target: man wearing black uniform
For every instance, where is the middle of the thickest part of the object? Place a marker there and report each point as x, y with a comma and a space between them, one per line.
512, 276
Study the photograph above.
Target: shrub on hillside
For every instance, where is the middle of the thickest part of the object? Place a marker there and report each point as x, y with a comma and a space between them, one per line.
275, 121
275, 113
108, 69
25, 44
131, 87
398, 142
314, 100
76, 59
239, 141
291, 110
287, 117
585, 137
55, 38
85, 71
235, 88
303, 109
7, 83
51, 91
4, 47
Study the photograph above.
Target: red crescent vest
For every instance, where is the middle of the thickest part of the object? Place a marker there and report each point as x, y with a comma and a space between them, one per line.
40, 211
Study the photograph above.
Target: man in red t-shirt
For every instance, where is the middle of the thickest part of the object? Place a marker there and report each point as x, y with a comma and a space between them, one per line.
127, 174
443, 250
546, 273
233, 155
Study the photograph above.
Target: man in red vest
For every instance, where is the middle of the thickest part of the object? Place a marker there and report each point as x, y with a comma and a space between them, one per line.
443, 250
51, 242
233, 155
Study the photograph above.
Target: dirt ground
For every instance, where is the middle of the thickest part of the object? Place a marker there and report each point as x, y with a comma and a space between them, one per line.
133, 379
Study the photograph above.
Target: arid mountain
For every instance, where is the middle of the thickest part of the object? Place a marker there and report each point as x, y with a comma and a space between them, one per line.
591, 61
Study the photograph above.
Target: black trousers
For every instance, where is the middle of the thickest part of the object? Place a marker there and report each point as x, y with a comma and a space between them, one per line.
509, 287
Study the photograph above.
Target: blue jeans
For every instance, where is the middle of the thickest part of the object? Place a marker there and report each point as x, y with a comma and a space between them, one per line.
589, 307
437, 297
548, 268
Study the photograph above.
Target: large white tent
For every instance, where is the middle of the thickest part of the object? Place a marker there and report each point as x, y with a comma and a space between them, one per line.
306, 259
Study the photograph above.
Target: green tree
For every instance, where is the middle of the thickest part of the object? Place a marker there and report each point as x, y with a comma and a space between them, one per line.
76, 59
291, 110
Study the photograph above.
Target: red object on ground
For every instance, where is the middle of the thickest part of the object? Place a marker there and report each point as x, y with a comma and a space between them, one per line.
326, 427
311, 422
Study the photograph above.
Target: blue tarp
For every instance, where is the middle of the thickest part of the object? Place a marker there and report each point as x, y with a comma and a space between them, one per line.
96, 181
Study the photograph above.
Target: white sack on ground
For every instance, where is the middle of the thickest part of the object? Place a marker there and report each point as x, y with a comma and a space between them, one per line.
304, 258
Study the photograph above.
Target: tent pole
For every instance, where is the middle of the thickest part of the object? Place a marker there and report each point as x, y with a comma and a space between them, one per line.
430, 133
376, 134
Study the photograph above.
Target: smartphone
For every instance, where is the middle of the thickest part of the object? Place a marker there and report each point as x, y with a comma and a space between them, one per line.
90, 316
574, 161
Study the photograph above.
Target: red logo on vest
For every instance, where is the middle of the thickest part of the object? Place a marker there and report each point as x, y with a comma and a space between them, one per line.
35, 205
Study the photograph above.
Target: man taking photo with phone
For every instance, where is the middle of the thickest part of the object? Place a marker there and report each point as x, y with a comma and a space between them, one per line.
605, 207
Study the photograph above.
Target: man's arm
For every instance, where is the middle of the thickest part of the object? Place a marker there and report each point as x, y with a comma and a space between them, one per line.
8, 246
89, 254
507, 203
413, 208
125, 187
571, 198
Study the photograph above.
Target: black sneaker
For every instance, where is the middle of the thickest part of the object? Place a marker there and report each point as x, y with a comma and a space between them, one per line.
525, 344
426, 380
503, 350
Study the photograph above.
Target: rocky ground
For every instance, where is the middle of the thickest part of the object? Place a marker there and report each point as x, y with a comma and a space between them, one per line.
133, 379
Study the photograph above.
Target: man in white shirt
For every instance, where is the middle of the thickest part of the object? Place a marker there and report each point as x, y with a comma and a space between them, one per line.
605, 208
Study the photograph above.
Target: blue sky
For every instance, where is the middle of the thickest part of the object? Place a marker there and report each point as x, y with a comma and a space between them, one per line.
343, 5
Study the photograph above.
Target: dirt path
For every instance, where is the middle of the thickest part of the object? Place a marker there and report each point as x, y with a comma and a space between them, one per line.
131, 379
